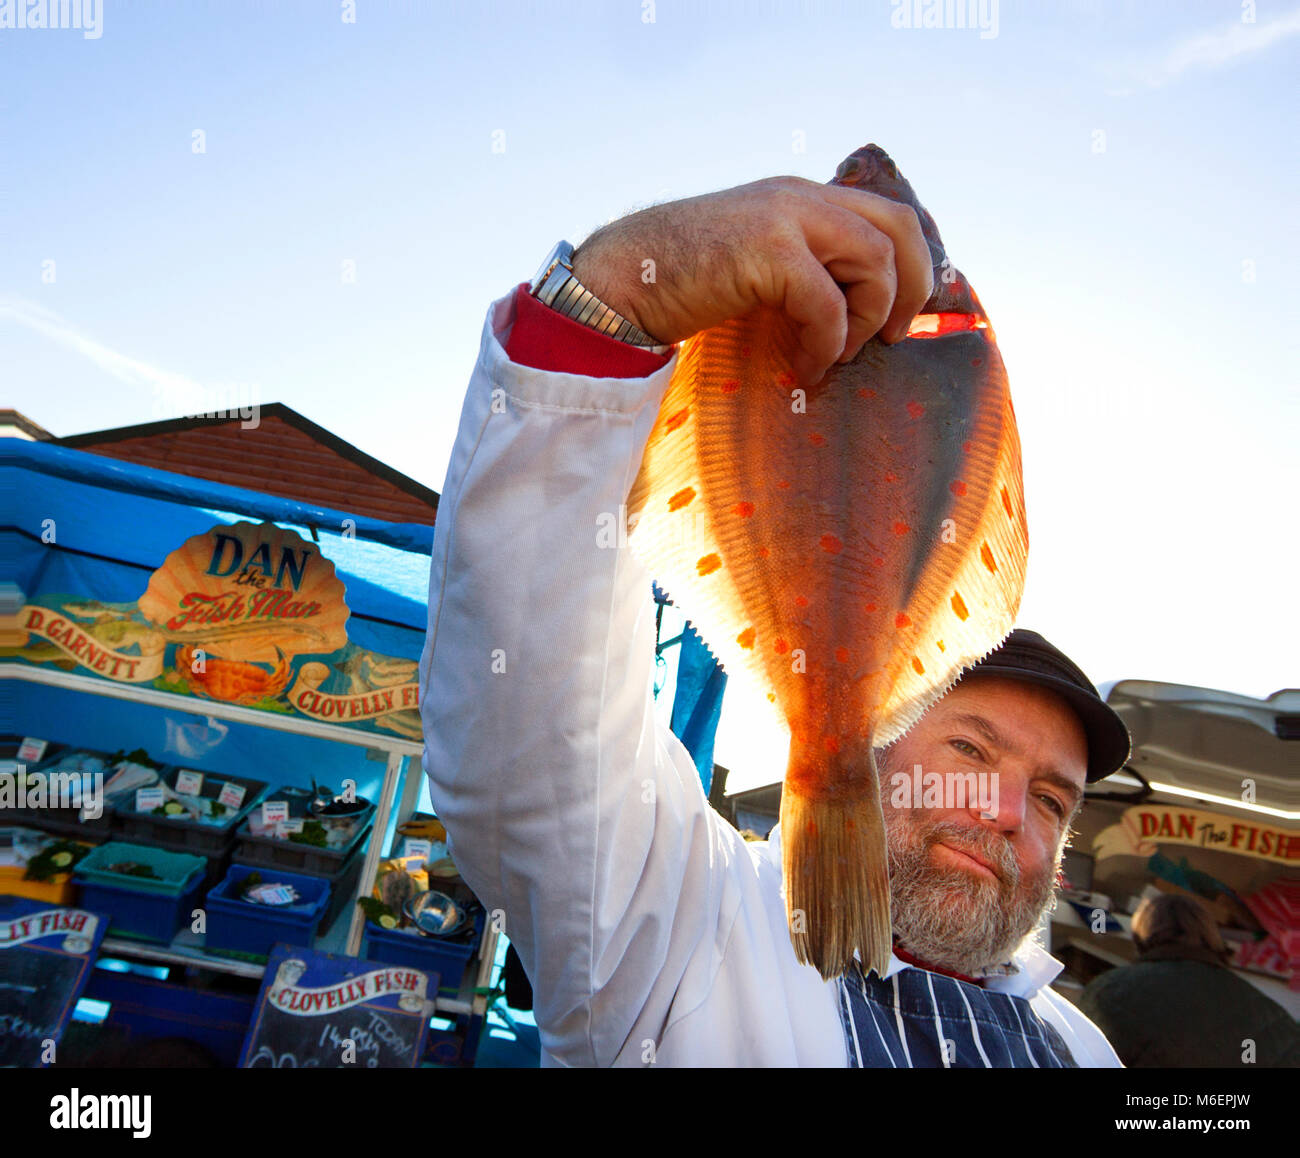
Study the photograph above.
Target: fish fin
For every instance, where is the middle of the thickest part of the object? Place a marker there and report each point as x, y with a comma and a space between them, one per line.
836, 881
669, 525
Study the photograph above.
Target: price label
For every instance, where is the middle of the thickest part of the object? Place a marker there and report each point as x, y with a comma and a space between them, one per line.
147, 799
275, 811
189, 783
232, 795
421, 848
288, 826
31, 750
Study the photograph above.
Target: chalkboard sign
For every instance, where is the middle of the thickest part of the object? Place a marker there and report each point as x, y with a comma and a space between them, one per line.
46, 954
318, 1010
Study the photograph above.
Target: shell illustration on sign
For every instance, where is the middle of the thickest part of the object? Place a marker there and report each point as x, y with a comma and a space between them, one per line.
242, 601
847, 551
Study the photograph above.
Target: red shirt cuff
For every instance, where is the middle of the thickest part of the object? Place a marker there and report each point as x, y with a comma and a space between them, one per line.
546, 340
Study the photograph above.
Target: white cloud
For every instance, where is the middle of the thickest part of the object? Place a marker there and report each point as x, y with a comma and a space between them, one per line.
1223, 47
173, 394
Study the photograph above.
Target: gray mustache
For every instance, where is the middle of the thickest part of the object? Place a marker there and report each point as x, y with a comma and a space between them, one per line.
994, 849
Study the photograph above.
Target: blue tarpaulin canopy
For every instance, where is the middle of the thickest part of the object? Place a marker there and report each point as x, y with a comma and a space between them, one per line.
81, 524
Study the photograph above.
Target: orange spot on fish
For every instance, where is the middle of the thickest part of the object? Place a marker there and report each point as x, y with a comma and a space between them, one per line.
918, 666
831, 744
842, 655
831, 544
746, 350
744, 510
746, 637
1006, 504
708, 564
890, 476
967, 447
871, 607
785, 378
817, 439
977, 361
958, 488
915, 409
877, 562
902, 620
783, 484
987, 556
681, 498
865, 393
771, 697
801, 600
730, 386
901, 528
780, 647
959, 605
763, 552
676, 420
812, 828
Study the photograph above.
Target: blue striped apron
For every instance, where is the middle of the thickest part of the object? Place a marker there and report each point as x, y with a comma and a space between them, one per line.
917, 1019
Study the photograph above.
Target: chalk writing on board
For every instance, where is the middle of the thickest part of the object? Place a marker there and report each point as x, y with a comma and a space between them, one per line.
319, 1010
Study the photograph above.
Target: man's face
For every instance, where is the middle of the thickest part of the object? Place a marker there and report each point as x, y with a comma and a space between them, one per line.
966, 887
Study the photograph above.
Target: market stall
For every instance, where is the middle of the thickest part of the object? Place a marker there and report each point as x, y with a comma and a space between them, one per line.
217, 690
1206, 807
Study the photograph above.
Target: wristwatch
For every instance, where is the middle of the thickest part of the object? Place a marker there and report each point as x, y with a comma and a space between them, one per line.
555, 286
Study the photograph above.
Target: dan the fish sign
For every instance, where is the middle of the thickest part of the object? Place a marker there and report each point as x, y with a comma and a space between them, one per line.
848, 550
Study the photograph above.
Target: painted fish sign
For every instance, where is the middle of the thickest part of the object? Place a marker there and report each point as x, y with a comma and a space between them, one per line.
847, 551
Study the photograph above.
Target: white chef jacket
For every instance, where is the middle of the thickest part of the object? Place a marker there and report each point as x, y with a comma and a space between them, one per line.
652, 933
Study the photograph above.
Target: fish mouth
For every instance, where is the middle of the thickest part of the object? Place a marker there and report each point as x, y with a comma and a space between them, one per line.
967, 855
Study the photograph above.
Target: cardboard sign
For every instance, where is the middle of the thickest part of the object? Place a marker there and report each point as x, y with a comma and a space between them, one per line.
31, 751
147, 799
231, 795
189, 783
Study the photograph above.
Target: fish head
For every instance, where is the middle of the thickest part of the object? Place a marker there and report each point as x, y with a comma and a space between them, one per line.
872, 170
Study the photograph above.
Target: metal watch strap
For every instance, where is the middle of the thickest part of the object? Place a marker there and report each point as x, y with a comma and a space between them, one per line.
557, 287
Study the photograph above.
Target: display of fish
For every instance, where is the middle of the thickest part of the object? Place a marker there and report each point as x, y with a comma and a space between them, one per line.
128, 777
847, 550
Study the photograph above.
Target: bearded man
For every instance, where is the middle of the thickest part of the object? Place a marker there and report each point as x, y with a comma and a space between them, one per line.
652, 933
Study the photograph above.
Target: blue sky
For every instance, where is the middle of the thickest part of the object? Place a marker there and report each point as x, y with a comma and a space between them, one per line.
1117, 179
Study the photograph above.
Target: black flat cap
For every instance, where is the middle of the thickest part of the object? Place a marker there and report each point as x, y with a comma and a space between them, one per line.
1027, 656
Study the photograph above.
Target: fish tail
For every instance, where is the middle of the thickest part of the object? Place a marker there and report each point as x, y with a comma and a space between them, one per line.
836, 879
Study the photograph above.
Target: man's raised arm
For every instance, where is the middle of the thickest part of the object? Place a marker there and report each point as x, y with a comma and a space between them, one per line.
566, 808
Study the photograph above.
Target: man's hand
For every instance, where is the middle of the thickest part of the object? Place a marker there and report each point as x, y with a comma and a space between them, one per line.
841, 264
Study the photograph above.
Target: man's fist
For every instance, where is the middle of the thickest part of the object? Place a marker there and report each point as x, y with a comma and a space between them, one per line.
841, 264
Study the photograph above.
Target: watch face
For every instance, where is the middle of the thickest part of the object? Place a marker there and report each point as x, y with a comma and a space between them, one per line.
560, 252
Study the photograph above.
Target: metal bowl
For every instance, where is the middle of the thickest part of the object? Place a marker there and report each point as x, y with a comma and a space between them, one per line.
434, 914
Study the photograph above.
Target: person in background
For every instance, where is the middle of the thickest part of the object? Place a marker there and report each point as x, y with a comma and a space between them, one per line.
1179, 1004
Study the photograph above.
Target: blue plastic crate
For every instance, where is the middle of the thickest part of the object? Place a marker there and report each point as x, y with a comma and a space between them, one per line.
135, 913
244, 927
448, 957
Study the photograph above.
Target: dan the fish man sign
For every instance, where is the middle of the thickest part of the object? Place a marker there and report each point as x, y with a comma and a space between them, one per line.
247, 614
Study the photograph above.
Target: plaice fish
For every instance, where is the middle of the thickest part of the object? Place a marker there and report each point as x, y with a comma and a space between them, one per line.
846, 551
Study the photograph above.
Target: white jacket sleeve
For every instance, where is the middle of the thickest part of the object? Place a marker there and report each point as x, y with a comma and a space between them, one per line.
566, 807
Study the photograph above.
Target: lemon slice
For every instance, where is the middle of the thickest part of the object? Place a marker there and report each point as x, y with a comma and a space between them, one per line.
388, 922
